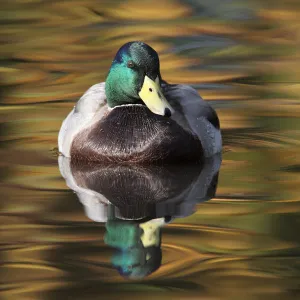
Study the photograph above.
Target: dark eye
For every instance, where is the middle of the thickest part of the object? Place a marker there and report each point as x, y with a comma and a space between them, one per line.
130, 64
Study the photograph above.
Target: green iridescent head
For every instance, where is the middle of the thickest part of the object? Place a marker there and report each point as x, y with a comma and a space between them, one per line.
134, 77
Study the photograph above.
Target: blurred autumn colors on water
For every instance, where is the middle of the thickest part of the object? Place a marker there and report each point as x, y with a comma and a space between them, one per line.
243, 57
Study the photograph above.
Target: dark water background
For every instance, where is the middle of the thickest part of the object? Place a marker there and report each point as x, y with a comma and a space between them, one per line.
243, 57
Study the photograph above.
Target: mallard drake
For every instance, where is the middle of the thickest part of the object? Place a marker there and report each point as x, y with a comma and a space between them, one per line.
137, 117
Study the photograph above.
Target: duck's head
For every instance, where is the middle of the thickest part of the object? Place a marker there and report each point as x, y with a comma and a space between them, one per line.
134, 77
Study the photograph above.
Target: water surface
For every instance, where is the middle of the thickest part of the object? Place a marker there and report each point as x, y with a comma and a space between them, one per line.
243, 57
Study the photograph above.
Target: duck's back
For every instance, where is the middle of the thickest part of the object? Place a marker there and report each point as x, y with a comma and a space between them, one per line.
134, 134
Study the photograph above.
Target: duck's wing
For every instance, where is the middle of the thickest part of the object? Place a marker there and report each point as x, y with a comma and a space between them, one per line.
89, 109
196, 115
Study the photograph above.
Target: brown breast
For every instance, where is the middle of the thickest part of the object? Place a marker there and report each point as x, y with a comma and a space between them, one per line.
134, 134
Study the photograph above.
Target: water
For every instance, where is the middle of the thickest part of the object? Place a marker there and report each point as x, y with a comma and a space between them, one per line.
243, 58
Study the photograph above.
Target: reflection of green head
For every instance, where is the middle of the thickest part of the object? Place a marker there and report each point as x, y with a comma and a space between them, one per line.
139, 252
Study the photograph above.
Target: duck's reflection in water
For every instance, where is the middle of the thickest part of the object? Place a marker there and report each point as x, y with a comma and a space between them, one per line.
136, 201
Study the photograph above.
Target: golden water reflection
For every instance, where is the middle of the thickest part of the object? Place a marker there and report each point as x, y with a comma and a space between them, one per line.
243, 57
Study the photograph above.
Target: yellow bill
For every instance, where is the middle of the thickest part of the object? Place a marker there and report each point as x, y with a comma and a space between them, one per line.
153, 97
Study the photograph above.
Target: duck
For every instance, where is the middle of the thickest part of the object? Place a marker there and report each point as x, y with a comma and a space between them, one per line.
137, 117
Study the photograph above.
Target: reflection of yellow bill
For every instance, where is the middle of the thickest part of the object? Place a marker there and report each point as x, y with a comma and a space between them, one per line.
153, 97
151, 235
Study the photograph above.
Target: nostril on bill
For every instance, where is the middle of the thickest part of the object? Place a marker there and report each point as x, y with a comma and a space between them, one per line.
167, 112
